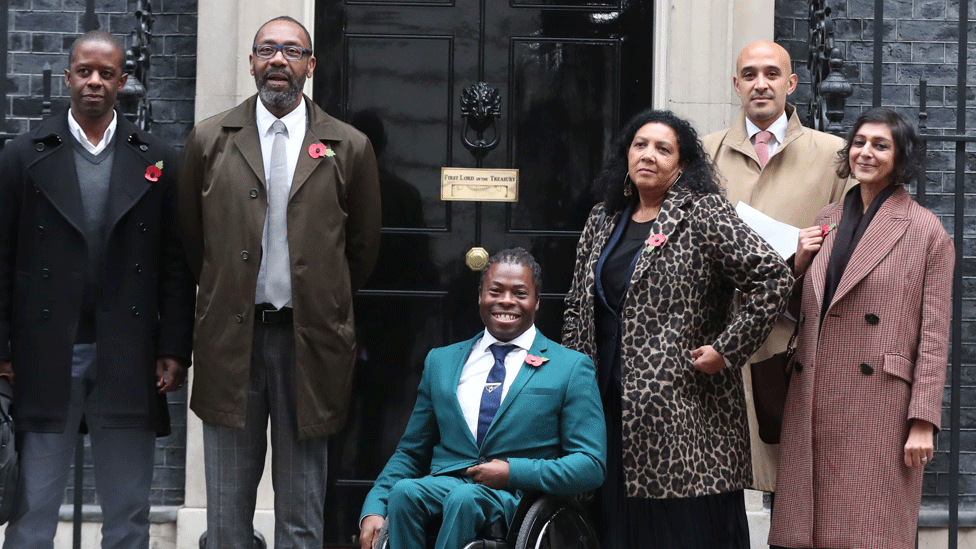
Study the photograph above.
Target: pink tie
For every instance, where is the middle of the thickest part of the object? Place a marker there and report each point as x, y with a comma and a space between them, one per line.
762, 147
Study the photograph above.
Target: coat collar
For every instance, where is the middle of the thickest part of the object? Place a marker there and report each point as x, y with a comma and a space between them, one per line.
540, 346
321, 128
674, 210
738, 137
132, 155
886, 229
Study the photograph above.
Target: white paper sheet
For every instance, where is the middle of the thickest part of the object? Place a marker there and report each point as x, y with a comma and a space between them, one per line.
781, 236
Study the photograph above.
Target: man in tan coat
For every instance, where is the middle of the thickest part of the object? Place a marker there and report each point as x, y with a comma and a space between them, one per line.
784, 170
280, 213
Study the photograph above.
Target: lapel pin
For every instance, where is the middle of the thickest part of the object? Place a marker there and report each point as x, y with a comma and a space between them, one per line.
536, 361
655, 241
825, 229
318, 150
154, 172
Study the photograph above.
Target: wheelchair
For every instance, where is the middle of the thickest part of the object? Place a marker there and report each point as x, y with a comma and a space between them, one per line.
541, 521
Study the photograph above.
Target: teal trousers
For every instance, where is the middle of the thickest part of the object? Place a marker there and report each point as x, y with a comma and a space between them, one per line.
466, 508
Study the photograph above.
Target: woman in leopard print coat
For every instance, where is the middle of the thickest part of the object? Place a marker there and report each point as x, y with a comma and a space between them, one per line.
657, 266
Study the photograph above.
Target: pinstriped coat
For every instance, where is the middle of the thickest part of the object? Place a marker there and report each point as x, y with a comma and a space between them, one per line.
878, 363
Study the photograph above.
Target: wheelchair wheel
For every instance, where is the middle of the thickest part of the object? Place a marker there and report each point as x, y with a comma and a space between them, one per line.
383, 538
553, 523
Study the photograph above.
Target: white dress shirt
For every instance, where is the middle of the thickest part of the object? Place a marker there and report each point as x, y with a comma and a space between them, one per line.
474, 375
79, 133
296, 123
778, 129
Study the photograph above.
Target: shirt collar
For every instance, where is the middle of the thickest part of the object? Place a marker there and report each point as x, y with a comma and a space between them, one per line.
294, 121
79, 133
777, 128
523, 341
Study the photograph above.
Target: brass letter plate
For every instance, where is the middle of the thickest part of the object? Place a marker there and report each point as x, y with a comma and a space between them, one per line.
479, 184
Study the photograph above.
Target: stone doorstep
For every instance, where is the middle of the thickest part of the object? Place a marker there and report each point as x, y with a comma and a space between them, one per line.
166, 533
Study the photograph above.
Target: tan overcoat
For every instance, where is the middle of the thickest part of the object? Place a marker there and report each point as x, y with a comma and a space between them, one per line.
333, 239
878, 363
799, 179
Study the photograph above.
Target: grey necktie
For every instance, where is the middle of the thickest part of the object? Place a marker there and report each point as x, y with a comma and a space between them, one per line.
277, 275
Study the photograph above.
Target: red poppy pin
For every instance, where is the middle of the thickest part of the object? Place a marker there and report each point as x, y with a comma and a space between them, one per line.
154, 172
825, 229
536, 361
318, 150
654, 241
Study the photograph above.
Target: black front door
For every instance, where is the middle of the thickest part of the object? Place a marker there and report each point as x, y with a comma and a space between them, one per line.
567, 72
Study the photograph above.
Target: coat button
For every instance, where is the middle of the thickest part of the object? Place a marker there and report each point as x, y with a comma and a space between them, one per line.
254, 193
135, 311
240, 318
37, 189
142, 227
866, 369
143, 147
482, 459
798, 367
40, 229
138, 268
46, 273
46, 314
39, 147
871, 318
630, 313
244, 255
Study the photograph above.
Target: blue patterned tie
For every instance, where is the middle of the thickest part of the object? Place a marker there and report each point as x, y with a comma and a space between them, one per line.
491, 397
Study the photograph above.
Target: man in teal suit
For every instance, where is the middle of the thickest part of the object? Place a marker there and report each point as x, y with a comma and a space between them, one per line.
468, 451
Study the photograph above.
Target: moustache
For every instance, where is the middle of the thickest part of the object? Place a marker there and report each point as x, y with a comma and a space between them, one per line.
762, 96
280, 73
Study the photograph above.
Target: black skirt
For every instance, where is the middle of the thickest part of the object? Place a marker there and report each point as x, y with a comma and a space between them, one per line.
707, 522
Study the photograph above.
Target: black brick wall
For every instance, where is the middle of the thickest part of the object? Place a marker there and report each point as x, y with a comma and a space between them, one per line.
41, 31
920, 41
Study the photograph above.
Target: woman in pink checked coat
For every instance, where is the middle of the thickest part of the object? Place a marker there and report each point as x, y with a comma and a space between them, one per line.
866, 394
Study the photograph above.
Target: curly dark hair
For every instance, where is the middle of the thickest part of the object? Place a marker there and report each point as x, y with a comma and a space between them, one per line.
908, 144
514, 256
698, 175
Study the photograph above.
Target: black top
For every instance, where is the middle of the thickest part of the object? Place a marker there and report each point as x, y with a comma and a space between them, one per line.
618, 267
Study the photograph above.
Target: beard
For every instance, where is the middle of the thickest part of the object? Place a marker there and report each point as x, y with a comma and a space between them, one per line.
279, 98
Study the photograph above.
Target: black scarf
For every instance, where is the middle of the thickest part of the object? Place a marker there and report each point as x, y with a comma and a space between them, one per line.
853, 222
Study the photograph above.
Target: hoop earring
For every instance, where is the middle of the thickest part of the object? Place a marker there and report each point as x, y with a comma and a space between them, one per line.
628, 190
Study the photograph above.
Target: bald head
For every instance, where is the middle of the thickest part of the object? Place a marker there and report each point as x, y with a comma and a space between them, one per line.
763, 80
765, 49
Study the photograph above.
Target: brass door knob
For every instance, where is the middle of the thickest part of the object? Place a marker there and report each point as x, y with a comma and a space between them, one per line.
476, 259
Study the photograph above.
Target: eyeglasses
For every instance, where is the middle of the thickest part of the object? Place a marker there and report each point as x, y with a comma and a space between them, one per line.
291, 53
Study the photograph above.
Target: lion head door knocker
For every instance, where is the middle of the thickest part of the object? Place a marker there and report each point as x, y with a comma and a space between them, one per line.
480, 107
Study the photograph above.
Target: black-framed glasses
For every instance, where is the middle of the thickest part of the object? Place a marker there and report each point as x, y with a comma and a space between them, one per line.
291, 53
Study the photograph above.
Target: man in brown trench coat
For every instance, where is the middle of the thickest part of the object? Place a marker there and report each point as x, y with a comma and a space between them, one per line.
797, 180
280, 211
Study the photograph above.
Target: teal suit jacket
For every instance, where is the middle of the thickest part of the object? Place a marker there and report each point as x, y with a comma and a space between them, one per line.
549, 427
